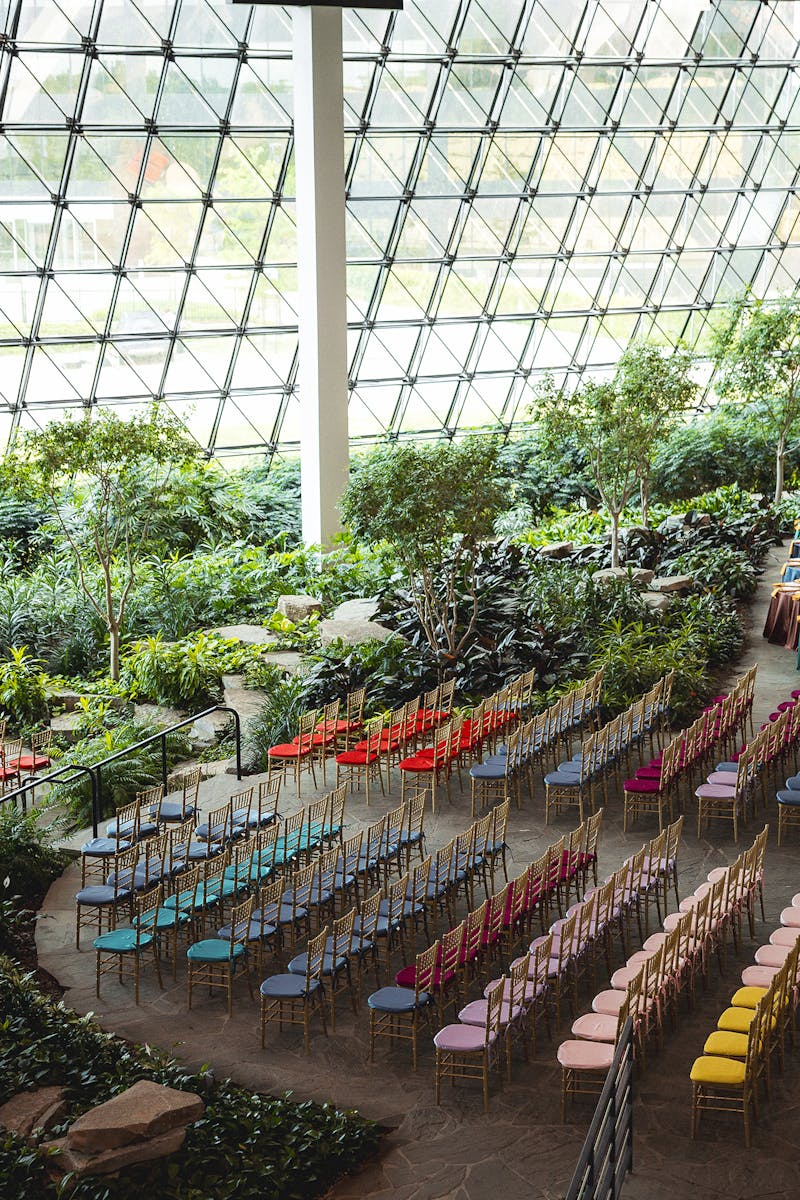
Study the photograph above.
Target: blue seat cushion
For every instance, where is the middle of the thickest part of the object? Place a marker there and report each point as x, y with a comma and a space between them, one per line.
213, 950
396, 1000
286, 987
204, 850
121, 941
793, 782
100, 893
100, 847
562, 779
253, 932
330, 965
789, 797
171, 810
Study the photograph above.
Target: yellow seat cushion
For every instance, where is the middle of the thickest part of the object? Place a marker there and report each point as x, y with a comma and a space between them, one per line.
726, 1072
726, 1045
747, 997
736, 1020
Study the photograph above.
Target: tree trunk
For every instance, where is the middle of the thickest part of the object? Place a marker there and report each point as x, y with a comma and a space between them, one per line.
614, 539
780, 468
644, 493
113, 635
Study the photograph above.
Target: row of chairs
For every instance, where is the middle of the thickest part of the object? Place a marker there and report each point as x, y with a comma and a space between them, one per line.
737, 1054
539, 740
489, 933
603, 754
16, 762
650, 983
458, 742
731, 792
321, 732
668, 777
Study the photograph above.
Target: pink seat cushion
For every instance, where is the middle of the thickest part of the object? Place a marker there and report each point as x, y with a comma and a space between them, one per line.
466, 1039
654, 942
725, 778
716, 874
596, 1027
791, 917
585, 1056
796, 900
784, 937
622, 977
772, 956
532, 989
608, 1002
475, 1013
758, 976
715, 791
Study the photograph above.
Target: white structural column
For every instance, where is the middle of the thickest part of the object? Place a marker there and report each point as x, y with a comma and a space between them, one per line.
321, 266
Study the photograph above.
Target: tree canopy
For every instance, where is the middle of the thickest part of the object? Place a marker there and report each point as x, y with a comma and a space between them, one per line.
756, 351
433, 504
104, 478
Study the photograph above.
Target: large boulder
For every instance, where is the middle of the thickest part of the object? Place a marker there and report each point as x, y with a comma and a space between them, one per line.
65, 1159
671, 583
298, 608
353, 633
656, 602
556, 550
365, 608
41, 1108
638, 575
142, 1111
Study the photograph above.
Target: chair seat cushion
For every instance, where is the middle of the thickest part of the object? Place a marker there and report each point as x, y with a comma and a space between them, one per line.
758, 976
725, 1072
254, 931
475, 1013
287, 987
646, 787
772, 956
596, 1027
397, 1000
330, 965
214, 950
747, 997
609, 1002
289, 750
736, 1020
162, 918
102, 847
100, 893
726, 1044
356, 758
585, 1055
120, 941
463, 1039
715, 791
171, 810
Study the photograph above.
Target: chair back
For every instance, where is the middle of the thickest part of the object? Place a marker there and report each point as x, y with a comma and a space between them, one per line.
264, 845
267, 803
396, 900
341, 944
494, 1011
354, 706
425, 971
301, 886
495, 915
240, 922
452, 947
566, 944
444, 698
370, 911
149, 798
415, 814
187, 889
589, 848
500, 824
518, 982
180, 840
440, 870
127, 819
315, 958
541, 954
473, 933
351, 854
374, 842
268, 897
154, 859
306, 727
219, 824
334, 817
420, 875
146, 910
314, 828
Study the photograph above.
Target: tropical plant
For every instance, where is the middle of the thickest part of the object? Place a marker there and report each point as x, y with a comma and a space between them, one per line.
28, 857
23, 687
433, 505
720, 569
122, 468
756, 351
187, 673
276, 721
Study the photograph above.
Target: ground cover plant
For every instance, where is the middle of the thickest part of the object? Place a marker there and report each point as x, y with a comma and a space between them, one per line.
246, 1144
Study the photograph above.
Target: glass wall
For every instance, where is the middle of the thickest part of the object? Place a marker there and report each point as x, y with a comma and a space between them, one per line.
531, 183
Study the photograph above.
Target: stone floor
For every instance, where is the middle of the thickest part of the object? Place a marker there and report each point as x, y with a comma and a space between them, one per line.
455, 1151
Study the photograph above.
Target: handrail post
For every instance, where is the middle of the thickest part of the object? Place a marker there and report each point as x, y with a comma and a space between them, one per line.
164, 761
238, 725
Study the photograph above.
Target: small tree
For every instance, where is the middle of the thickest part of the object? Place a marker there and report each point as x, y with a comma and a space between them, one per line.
434, 505
104, 479
655, 389
600, 417
756, 351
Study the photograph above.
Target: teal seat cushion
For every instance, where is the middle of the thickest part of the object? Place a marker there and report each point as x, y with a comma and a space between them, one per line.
213, 950
122, 941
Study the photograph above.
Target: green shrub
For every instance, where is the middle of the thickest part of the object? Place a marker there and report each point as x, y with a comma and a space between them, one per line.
187, 673
121, 779
276, 721
247, 1145
23, 695
720, 569
28, 858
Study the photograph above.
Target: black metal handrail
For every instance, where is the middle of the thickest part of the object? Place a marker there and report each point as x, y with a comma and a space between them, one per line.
607, 1154
32, 782
95, 770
